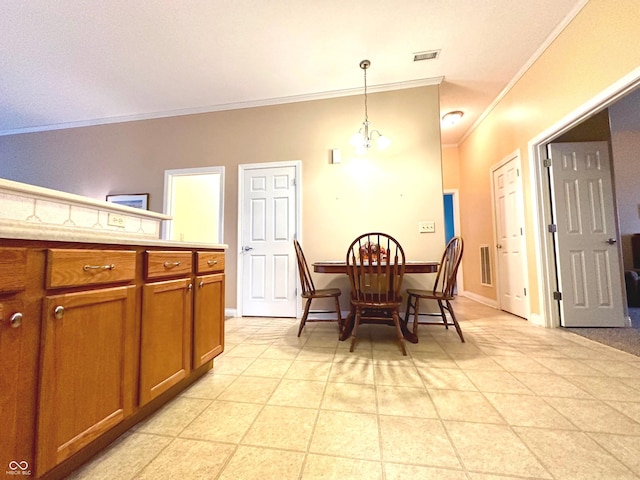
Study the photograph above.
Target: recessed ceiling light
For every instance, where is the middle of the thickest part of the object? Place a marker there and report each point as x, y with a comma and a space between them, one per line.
451, 118
429, 55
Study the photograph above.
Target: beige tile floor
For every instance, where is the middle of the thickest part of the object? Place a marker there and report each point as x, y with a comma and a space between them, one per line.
514, 402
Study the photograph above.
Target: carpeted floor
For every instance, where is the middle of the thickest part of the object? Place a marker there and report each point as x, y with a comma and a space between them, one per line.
625, 339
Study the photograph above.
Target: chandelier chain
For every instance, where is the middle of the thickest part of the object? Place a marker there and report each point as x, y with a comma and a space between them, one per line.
366, 113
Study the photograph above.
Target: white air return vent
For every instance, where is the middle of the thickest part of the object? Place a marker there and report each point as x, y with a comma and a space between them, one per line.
430, 55
485, 266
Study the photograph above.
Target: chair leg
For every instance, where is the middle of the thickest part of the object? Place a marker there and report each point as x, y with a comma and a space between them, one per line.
303, 320
416, 314
455, 321
396, 321
444, 316
407, 311
354, 332
340, 322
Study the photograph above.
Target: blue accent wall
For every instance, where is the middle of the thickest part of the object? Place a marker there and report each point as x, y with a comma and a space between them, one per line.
449, 230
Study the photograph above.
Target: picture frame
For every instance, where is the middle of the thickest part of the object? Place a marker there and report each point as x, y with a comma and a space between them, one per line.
135, 200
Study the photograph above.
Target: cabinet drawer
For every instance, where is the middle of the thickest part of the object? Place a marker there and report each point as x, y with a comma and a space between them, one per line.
70, 268
210, 262
168, 264
13, 269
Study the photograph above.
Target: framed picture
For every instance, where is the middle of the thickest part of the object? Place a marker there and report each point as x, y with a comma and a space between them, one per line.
135, 200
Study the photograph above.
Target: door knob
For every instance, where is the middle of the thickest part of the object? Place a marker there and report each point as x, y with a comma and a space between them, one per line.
16, 320
498, 246
246, 249
611, 241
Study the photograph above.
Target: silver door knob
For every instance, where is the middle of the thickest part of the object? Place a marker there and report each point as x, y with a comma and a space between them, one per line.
611, 241
498, 246
246, 249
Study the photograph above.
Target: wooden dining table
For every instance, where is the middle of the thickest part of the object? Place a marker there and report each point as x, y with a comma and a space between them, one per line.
340, 267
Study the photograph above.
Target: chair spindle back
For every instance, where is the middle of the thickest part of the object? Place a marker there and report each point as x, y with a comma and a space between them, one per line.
375, 264
303, 269
446, 278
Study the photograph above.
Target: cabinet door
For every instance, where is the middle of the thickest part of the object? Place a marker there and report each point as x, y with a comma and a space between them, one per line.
87, 369
165, 351
208, 320
18, 382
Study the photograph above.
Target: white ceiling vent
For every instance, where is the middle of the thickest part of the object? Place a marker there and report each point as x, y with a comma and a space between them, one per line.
430, 55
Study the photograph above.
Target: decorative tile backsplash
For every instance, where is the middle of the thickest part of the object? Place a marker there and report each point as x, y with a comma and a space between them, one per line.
27, 206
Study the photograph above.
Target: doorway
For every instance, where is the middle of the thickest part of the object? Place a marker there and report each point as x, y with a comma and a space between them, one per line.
542, 198
194, 197
269, 218
451, 203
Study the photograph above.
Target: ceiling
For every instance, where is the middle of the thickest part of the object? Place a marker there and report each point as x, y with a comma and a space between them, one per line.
80, 62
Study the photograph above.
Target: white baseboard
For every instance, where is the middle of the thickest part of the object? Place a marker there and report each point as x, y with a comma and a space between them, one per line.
480, 299
230, 312
537, 319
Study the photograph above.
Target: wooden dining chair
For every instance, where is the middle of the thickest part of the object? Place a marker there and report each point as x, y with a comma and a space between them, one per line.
443, 290
310, 292
375, 264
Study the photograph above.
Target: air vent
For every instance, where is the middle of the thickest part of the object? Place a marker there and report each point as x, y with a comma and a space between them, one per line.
430, 55
485, 266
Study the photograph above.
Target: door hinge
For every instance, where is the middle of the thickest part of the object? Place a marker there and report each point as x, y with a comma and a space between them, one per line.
517, 172
553, 228
294, 182
557, 295
525, 292
546, 162
521, 231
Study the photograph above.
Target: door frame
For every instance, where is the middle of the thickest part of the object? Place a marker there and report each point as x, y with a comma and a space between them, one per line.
540, 196
242, 168
525, 258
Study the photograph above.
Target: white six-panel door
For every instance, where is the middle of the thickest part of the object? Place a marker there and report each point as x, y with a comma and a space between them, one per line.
268, 204
511, 246
587, 256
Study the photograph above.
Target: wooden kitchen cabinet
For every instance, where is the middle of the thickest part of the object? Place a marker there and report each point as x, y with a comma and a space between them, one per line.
87, 369
208, 318
208, 315
165, 348
104, 330
19, 331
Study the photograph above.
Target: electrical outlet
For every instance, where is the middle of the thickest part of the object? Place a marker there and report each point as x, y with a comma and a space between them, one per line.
115, 220
426, 227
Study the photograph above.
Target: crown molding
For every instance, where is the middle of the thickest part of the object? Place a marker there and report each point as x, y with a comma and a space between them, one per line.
229, 106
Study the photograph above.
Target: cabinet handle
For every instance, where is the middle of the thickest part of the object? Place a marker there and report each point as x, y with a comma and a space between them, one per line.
201, 284
212, 262
16, 320
171, 264
86, 268
58, 312
190, 287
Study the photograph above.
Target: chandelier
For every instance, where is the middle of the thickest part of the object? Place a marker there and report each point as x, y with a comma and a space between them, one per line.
363, 138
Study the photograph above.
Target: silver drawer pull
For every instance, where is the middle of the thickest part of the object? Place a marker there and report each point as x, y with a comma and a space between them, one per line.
212, 262
171, 264
86, 268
